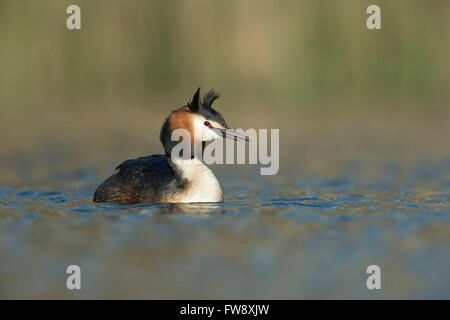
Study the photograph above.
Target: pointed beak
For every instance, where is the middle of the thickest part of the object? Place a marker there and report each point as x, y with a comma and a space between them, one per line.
230, 134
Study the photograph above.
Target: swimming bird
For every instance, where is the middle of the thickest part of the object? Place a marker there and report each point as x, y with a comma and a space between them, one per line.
168, 178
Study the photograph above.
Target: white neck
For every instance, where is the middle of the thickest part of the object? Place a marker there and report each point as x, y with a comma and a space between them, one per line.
202, 185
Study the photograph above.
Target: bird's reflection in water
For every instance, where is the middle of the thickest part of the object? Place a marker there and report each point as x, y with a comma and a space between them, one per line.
195, 209
198, 209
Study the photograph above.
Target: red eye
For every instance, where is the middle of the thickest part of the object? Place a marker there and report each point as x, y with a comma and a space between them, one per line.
206, 123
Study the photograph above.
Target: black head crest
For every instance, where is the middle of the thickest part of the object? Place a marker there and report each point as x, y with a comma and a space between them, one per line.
195, 104
209, 98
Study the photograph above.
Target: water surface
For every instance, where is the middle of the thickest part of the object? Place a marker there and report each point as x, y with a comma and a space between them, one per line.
293, 235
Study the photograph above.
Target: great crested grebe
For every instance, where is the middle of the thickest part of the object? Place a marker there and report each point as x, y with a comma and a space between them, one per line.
164, 178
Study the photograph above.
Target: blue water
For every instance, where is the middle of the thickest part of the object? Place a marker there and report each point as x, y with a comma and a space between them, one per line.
294, 235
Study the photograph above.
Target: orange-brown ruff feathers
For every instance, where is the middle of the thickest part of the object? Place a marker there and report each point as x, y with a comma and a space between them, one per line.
182, 118
161, 178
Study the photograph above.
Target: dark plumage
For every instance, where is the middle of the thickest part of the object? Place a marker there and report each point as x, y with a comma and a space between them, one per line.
145, 179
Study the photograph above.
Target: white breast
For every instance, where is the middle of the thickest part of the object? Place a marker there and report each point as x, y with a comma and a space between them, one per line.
202, 186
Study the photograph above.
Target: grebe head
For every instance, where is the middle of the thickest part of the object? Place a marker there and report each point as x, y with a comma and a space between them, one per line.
201, 121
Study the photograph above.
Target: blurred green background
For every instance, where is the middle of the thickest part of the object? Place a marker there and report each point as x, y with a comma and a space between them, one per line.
311, 68
290, 53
